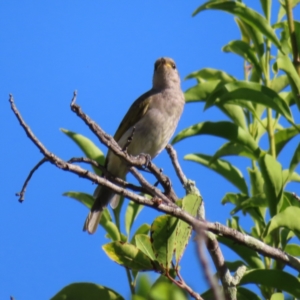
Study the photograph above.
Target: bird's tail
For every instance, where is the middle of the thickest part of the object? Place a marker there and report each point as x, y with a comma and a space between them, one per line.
103, 196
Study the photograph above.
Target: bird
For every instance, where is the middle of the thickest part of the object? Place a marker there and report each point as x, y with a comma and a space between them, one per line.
149, 123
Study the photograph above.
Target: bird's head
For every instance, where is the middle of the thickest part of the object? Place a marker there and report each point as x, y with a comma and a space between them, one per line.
165, 74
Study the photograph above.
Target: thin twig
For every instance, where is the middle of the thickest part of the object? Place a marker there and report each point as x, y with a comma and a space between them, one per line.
108, 175
22, 193
151, 189
296, 197
205, 266
173, 155
181, 283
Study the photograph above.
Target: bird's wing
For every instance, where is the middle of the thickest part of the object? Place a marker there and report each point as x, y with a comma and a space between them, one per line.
136, 111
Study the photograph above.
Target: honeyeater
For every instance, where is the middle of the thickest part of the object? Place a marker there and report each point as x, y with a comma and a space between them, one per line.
154, 117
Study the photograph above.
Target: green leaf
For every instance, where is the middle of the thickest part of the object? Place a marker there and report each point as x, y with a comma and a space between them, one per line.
163, 239
250, 91
289, 218
245, 294
245, 51
277, 296
86, 290
284, 63
246, 14
279, 83
233, 149
273, 279
295, 160
143, 242
128, 256
222, 167
84, 198
190, 204
105, 221
201, 91
257, 181
143, 229
282, 137
132, 211
143, 286
266, 6
163, 289
271, 171
210, 74
223, 129
88, 147
282, 10
292, 249
250, 256
245, 34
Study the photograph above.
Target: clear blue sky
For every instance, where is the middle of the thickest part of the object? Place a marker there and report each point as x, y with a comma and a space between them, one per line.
106, 51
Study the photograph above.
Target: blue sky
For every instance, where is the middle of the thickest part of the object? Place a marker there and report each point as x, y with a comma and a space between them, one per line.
106, 51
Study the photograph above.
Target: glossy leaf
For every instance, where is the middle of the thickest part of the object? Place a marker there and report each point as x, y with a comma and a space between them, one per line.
271, 171
289, 218
222, 167
86, 290
282, 137
275, 279
190, 204
88, 147
163, 239
132, 211
250, 256
223, 129
246, 14
250, 91
245, 51
143, 242
128, 256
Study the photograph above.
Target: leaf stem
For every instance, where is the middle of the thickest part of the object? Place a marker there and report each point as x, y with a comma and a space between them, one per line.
270, 128
131, 284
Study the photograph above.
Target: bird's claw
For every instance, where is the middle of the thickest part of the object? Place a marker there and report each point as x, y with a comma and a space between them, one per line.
147, 157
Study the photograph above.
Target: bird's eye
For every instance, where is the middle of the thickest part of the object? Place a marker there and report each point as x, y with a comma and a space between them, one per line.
174, 66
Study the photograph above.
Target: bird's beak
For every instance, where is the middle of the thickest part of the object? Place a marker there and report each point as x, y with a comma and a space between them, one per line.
163, 62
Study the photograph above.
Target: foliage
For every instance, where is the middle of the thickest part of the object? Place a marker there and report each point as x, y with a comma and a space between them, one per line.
261, 104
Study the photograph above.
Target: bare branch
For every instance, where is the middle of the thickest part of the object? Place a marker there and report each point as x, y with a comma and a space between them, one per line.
170, 209
173, 155
22, 193
182, 284
204, 262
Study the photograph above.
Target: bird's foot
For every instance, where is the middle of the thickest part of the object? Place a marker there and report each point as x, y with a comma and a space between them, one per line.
147, 158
